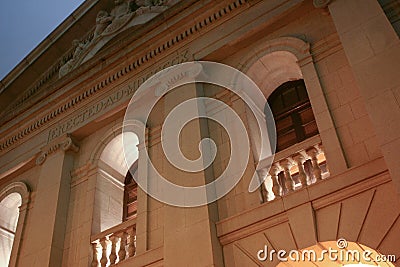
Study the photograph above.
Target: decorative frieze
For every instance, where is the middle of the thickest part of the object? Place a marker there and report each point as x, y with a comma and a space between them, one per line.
110, 101
208, 20
124, 15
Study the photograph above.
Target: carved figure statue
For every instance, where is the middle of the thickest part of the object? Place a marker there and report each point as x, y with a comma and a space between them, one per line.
102, 21
79, 47
109, 24
119, 15
121, 8
70, 64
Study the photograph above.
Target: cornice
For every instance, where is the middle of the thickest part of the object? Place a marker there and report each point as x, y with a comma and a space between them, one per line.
326, 47
9, 141
365, 185
254, 228
24, 101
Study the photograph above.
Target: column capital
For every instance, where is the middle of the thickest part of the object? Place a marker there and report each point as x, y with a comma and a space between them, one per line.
321, 3
64, 142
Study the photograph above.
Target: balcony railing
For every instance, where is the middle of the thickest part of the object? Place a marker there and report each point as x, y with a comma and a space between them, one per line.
293, 168
114, 245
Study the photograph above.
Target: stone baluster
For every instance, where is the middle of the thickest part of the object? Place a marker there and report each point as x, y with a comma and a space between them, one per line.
304, 179
321, 150
276, 187
131, 243
265, 195
313, 152
104, 259
113, 255
289, 182
122, 249
95, 260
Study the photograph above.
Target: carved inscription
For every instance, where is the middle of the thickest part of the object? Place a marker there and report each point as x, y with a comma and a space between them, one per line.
112, 100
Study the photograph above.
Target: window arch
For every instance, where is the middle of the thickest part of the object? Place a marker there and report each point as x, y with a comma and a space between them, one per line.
9, 214
112, 165
285, 59
110, 218
14, 200
110, 194
294, 118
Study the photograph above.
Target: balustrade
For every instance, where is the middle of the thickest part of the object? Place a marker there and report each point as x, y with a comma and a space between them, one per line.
294, 168
114, 245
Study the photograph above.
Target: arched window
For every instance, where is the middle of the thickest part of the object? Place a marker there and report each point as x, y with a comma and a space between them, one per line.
9, 212
113, 179
294, 118
14, 199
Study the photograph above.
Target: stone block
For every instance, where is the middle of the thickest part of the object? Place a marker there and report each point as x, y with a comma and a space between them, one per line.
361, 129
352, 215
327, 219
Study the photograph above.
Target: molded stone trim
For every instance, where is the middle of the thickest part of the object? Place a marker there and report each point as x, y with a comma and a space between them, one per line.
183, 36
23, 190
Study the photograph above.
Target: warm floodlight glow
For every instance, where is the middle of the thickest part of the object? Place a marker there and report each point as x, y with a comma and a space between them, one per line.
357, 265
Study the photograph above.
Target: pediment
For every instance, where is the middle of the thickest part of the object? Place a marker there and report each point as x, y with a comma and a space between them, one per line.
123, 16
34, 78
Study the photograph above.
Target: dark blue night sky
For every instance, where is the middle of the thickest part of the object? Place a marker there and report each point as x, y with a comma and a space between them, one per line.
24, 24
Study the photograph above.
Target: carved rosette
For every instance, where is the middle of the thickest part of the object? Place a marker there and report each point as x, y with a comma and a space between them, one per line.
65, 143
41, 158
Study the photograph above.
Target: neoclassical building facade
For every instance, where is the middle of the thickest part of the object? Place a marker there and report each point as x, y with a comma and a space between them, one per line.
328, 78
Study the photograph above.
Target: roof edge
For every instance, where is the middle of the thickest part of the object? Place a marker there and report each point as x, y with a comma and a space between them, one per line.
46, 43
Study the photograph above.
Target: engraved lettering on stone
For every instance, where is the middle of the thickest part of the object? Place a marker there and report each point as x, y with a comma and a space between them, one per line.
115, 98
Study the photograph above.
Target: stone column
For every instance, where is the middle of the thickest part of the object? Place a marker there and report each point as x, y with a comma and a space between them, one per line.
45, 237
190, 237
373, 50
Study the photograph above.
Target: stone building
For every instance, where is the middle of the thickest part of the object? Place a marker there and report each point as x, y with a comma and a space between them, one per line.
329, 71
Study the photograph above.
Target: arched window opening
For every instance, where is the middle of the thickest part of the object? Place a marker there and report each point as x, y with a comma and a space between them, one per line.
130, 193
9, 213
294, 118
115, 207
110, 197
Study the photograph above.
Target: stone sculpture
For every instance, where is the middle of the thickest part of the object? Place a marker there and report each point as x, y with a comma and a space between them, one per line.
108, 25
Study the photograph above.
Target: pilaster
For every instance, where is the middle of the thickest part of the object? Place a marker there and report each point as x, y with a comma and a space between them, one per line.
373, 51
45, 237
190, 231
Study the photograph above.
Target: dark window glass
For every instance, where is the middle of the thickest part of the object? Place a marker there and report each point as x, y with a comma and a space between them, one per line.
130, 194
294, 118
